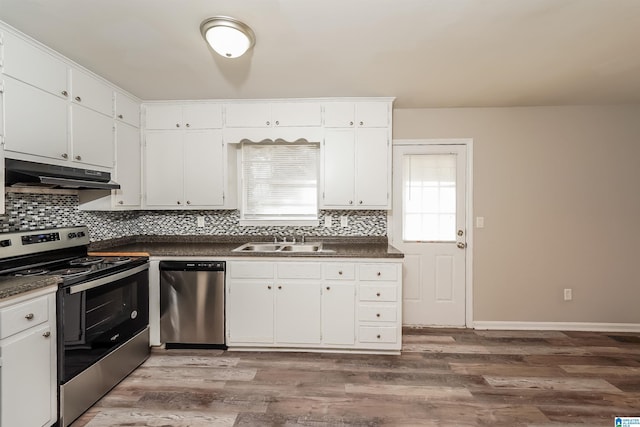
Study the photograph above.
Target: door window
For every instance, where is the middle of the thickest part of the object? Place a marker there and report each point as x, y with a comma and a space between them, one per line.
429, 198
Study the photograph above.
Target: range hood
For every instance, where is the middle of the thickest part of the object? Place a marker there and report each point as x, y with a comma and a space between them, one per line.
32, 173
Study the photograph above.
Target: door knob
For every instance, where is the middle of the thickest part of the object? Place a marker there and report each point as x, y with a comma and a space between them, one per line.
461, 245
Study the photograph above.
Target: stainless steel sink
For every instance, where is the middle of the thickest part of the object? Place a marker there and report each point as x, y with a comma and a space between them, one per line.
281, 247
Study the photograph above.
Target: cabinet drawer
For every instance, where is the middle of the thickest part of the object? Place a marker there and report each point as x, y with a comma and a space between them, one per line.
377, 293
381, 272
251, 270
340, 271
306, 270
23, 316
377, 313
383, 334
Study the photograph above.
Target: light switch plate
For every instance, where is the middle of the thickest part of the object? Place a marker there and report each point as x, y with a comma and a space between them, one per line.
200, 221
479, 222
327, 221
343, 221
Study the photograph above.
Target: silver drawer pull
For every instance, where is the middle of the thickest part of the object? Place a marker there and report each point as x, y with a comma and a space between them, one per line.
378, 274
377, 294
328, 288
29, 316
340, 272
378, 336
46, 334
377, 314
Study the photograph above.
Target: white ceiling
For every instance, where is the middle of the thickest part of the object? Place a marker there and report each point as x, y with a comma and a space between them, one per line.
426, 53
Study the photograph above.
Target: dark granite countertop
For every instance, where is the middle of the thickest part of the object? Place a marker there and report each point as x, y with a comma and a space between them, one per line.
13, 286
222, 246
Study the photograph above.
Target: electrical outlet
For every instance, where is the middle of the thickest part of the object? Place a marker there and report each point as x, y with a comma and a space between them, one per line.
200, 221
568, 294
327, 221
344, 221
479, 222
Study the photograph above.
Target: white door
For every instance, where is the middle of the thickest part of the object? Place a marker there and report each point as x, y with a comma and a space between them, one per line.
429, 226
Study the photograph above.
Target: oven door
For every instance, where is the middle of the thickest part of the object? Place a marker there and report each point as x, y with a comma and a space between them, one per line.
96, 317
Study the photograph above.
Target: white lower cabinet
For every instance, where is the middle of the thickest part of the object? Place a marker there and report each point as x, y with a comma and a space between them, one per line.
314, 304
28, 395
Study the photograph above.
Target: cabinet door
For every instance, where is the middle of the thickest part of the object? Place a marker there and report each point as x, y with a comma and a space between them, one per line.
372, 168
163, 168
33, 117
250, 312
339, 114
128, 164
203, 168
297, 316
372, 114
26, 378
163, 116
296, 114
88, 91
92, 137
127, 110
338, 168
338, 313
248, 115
33, 65
202, 116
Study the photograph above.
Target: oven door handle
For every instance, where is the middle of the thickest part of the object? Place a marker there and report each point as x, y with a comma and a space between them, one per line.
106, 280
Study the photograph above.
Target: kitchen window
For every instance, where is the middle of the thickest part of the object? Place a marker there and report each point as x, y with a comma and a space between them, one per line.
279, 184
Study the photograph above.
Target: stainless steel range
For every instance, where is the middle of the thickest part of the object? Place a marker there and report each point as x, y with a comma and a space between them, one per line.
102, 310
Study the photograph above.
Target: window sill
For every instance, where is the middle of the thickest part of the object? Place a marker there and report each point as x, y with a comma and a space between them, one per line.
280, 222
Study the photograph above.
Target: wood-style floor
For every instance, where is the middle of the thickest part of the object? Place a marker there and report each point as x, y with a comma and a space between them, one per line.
444, 377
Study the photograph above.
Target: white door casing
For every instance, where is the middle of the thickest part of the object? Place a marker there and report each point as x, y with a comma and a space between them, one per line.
436, 273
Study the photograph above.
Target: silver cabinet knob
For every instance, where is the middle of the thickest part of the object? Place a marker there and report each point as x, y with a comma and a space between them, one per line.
377, 314
179, 202
277, 122
279, 287
78, 158
268, 286
120, 202
378, 294
360, 202
340, 273
64, 93
29, 316
268, 123
188, 202
188, 125
350, 123
350, 202
328, 288
378, 274
378, 336
46, 334
120, 116
461, 245
64, 155
177, 125
77, 98
361, 123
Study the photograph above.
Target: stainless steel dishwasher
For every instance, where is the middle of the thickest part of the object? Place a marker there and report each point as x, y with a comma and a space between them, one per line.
192, 304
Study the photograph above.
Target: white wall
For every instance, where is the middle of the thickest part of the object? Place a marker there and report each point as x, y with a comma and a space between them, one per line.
559, 188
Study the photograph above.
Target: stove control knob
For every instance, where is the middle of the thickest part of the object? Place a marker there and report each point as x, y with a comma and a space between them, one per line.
72, 235
81, 234
5, 243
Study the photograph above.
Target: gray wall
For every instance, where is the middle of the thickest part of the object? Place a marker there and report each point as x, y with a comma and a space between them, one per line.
559, 190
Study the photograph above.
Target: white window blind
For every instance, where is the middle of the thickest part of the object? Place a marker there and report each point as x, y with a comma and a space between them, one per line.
280, 181
429, 197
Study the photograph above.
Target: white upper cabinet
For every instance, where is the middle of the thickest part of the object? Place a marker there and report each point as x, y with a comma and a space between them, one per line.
93, 138
32, 65
341, 114
25, 105
183, 116
127, 110
90, 92
272, 114
128, 162
184, 169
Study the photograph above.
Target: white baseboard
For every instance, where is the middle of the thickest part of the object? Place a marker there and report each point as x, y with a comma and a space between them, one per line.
558, 326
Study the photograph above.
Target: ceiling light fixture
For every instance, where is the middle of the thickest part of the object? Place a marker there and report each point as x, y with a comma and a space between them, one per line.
227, 36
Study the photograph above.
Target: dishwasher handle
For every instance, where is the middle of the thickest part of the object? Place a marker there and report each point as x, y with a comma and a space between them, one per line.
192, 266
